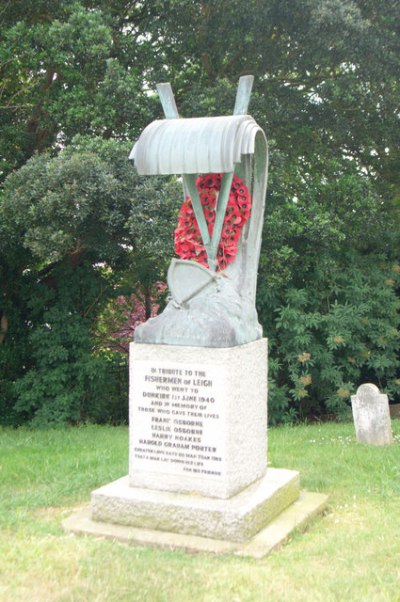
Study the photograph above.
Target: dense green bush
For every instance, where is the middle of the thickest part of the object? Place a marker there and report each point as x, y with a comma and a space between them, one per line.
73, 238
67, 382
78, 228
324, 347
326, 295
327, 291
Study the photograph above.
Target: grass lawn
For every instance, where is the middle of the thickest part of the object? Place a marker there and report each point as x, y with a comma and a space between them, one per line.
351, 553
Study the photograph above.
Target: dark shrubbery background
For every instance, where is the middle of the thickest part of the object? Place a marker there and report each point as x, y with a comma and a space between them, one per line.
79, 230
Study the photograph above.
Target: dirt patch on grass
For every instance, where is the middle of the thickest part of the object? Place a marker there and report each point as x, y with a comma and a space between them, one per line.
56, 513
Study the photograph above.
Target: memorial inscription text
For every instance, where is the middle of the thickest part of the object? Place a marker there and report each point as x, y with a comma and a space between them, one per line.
176, 419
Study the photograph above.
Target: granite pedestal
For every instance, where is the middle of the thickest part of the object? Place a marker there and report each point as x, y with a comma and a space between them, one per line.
198, 418
198, 453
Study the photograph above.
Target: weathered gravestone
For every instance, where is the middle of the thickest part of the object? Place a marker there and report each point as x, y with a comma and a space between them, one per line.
371, 416
198, 372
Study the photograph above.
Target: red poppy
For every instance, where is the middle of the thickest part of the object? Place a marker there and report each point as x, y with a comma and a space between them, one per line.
187, 238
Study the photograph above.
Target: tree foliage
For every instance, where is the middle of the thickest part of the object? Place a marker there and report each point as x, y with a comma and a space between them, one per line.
327, 293
71, 241
78, 227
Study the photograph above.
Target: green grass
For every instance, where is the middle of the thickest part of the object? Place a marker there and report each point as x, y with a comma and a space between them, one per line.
351, 553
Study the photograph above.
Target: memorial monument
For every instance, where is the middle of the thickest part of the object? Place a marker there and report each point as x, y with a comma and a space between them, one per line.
198, 371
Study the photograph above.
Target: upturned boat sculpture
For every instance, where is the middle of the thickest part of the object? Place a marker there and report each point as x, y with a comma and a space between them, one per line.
213, 292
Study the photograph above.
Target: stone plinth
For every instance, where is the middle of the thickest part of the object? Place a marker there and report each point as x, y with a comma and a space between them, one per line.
236, 519
198, 418
198, 455
297, 516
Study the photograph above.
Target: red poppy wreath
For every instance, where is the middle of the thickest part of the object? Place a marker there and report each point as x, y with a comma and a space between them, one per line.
188, 241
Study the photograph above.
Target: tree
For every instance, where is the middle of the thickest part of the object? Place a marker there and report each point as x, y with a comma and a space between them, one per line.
328, 100
326, 71
326, 92
68, 68
70, 226
327, 291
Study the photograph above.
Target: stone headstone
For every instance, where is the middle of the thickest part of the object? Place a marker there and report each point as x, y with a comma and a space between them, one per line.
371, 416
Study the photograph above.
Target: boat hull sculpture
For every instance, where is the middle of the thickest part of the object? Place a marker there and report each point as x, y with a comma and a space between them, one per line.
212, 306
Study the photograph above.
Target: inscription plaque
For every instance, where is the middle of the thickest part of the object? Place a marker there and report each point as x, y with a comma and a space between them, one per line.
176, 419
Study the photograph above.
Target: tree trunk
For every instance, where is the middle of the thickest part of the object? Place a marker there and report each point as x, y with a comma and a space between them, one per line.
3, 328
147, 303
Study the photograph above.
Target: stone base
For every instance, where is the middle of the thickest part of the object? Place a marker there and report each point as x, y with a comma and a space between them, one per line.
297, 516
236, 519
